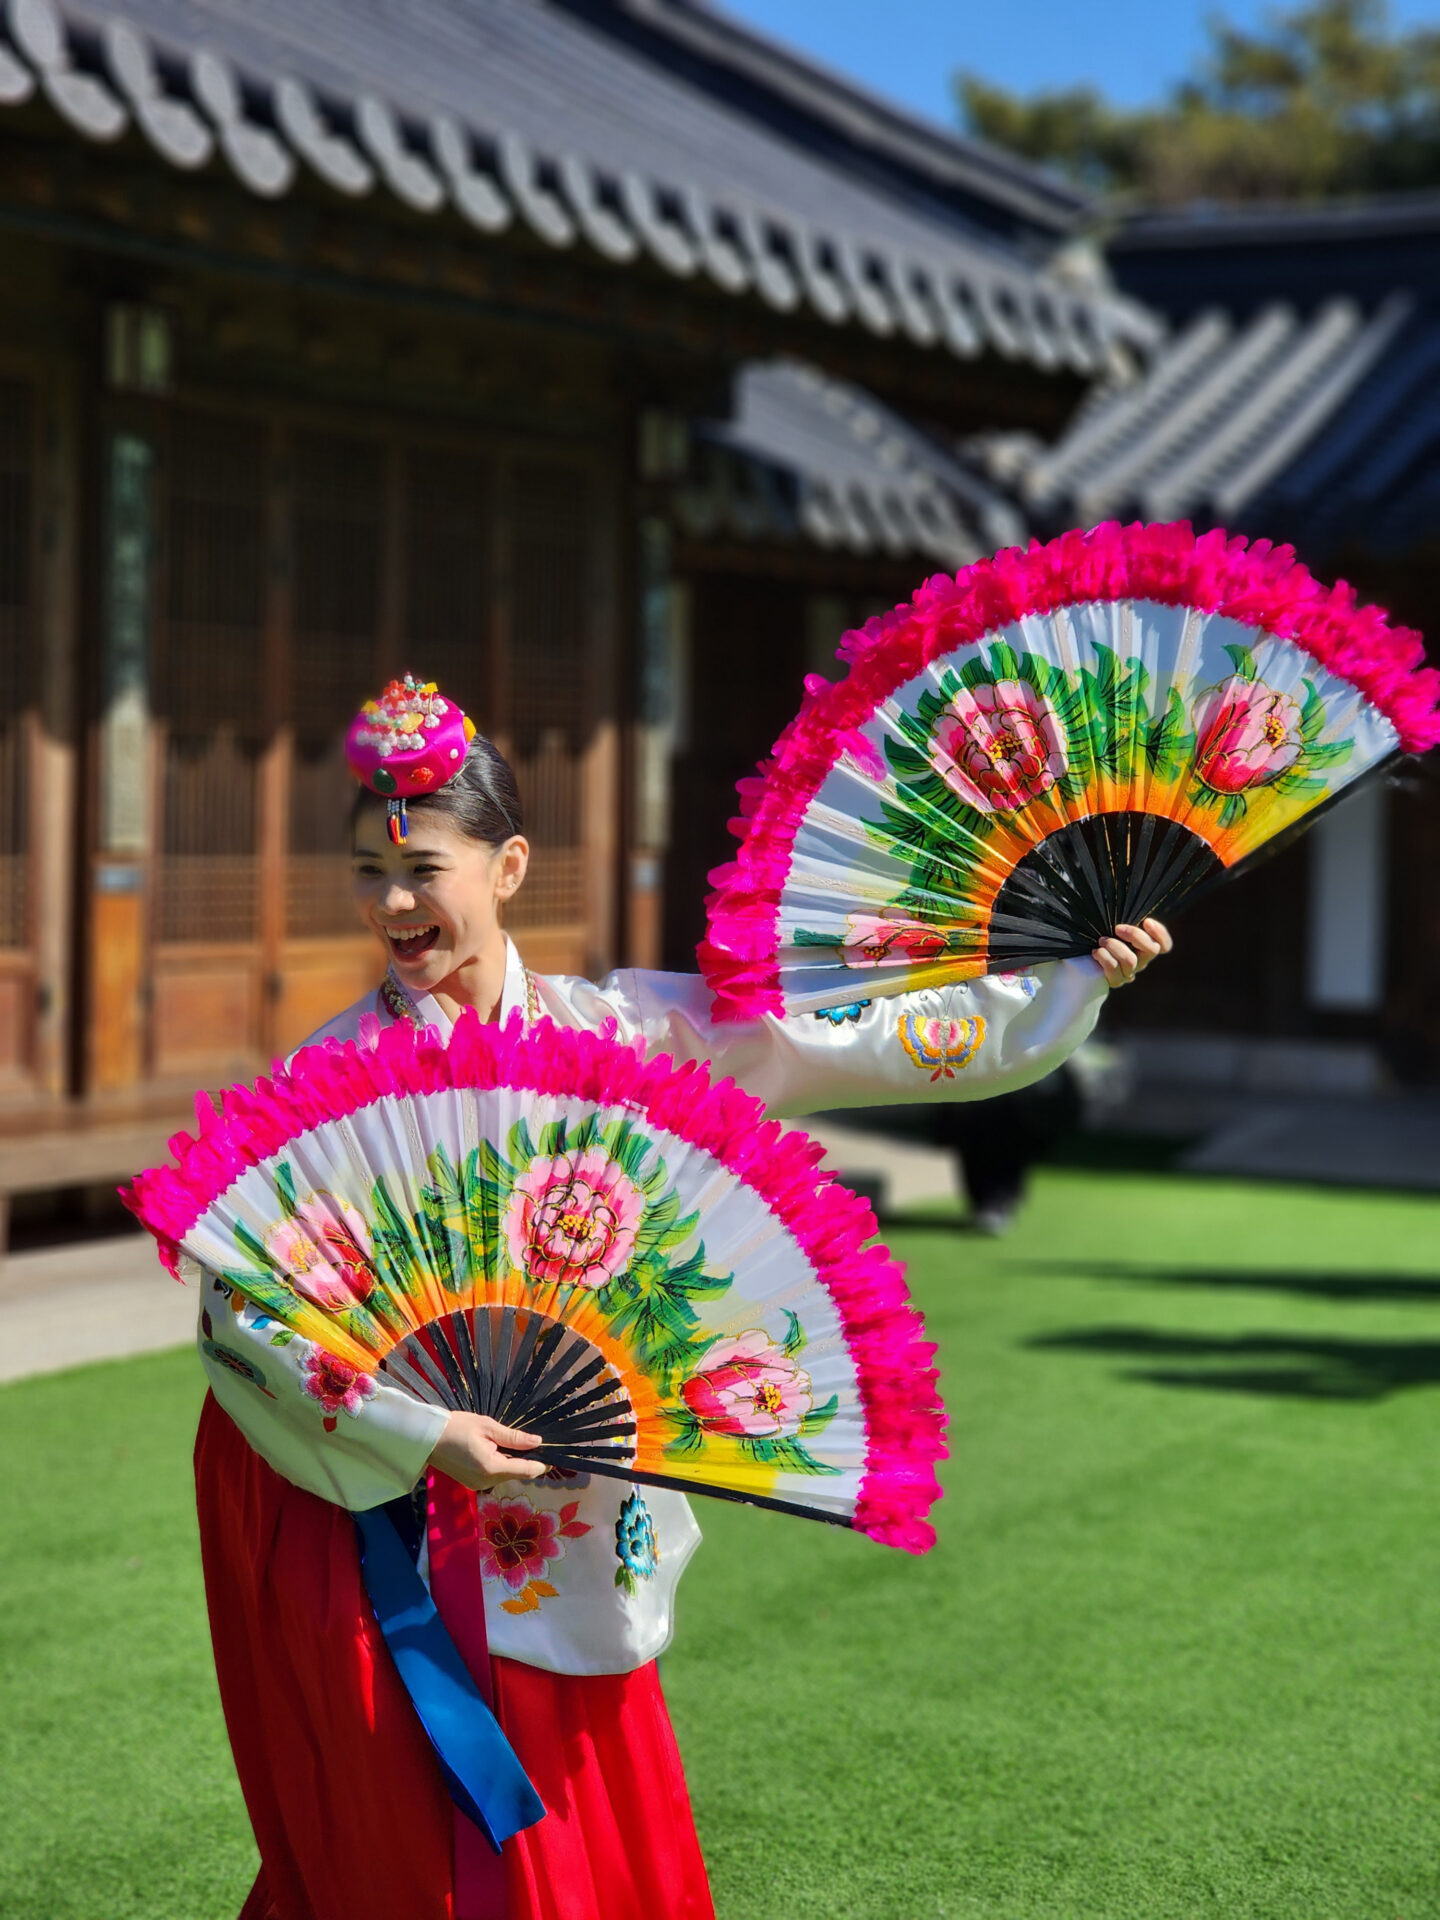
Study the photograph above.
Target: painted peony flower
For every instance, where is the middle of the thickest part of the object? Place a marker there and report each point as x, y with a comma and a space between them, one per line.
749, 1387
1247, 734
325, 1250
336, 1384
573, 1220
870, 941
1000, 745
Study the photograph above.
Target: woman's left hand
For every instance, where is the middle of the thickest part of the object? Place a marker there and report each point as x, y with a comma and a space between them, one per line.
1129, 950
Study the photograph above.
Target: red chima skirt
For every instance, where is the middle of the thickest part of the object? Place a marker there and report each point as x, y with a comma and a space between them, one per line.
350, 1810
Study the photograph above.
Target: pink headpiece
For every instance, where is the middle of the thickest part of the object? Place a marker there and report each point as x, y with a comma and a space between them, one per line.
408, 742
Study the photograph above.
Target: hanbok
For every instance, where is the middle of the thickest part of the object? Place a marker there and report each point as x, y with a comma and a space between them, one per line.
579, 1574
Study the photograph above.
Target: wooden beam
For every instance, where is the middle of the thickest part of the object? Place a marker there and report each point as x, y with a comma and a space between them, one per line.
123, 200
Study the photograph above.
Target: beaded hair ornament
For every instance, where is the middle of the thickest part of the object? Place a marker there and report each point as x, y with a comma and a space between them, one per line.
409, 741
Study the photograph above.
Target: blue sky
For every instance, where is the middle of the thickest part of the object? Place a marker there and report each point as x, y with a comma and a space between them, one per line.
1133, 49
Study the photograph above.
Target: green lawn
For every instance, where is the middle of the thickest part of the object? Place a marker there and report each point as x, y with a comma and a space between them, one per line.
1178, 1654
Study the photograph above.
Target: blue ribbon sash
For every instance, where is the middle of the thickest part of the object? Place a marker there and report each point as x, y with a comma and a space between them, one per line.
486, 1780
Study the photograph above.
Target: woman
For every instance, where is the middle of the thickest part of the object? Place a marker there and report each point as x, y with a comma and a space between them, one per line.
349, 1806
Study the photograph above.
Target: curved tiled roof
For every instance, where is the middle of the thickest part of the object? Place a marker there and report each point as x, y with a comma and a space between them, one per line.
520, 112
810, 458
996, 183
1322, 425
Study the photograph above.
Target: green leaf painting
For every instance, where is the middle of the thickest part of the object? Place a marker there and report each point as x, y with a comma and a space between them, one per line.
1114, 725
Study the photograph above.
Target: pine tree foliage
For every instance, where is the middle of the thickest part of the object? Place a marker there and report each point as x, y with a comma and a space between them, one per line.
1323, 100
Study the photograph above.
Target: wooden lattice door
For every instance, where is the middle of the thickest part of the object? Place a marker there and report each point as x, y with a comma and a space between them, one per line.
207, 692
553, 709
340, 542
297, 568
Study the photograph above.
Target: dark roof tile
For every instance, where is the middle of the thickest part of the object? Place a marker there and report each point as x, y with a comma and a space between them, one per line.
504, 108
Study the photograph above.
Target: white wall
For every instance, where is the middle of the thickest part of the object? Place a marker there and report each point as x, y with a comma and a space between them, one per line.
1346, 947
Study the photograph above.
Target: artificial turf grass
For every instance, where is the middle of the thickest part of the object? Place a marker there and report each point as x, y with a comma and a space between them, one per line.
120, 1801
1173, 1657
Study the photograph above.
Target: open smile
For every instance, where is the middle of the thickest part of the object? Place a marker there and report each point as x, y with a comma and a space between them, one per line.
408, 943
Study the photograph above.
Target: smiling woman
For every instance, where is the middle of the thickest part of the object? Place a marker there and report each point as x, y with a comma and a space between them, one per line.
433, 869
558, 1590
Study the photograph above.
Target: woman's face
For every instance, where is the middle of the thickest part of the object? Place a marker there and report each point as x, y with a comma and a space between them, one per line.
434, 900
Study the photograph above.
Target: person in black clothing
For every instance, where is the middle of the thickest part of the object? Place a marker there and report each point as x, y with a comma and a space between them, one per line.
998, 1141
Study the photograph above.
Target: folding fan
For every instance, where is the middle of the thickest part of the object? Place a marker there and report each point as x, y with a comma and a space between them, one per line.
1053, 742
610, 1252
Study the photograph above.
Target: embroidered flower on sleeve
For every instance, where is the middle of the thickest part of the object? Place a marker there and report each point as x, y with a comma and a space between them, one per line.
636, 1546
517, 1543
338, 1386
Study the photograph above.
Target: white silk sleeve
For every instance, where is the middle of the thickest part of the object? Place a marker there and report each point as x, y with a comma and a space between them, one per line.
965, 1042
357, 1448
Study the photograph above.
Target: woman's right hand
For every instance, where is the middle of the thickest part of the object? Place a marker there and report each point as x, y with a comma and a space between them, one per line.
471, 1450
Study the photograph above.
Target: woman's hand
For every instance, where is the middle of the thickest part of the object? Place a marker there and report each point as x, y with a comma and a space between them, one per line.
470, 1450
1129, 950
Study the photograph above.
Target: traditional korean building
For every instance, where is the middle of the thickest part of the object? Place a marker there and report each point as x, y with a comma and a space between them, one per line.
562, 349
1295, 399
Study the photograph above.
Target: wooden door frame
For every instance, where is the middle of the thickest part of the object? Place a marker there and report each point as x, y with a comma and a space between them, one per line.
42, 966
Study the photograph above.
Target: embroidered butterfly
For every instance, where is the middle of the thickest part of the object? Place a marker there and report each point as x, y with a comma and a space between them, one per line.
940, 1047
837, 1016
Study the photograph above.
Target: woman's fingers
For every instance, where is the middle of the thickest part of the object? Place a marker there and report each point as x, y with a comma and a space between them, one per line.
1116, 961
498, 1438
1130, 949
472, 1450
508, 1436
1149, 940
494, 1442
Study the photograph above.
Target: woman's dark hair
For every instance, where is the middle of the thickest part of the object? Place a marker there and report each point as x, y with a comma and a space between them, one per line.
481, 801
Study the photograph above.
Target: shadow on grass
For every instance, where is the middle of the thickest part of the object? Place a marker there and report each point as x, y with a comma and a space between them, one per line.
1314, 1286
1294, 1366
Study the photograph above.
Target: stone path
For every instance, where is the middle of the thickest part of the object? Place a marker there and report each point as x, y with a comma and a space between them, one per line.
88, 1300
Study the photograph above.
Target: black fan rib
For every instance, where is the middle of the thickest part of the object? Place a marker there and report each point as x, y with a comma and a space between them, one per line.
545, 1378
529, 1371
1088, 877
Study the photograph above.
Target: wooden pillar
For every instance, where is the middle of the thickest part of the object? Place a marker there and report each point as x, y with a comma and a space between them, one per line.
116, 1051
392, 642
661, 703
54, 757
272, 840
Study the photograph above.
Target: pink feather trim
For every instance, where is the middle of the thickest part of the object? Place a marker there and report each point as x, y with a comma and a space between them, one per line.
1253, 582
894, 1363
